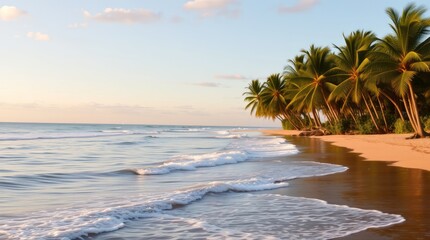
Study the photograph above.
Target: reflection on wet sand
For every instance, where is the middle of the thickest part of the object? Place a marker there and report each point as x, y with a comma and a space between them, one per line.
368, 185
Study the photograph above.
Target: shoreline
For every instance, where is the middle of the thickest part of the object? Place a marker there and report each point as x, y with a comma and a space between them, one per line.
392, 148
365, 185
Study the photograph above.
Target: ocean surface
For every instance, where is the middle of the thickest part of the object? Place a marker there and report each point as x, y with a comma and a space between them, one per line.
83, 181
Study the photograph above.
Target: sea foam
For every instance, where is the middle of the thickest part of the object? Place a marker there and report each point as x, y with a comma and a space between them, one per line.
191, 162
301, 218
74, 222
237, 152
258, 216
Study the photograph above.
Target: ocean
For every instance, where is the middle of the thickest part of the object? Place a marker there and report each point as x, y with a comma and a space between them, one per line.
93, 181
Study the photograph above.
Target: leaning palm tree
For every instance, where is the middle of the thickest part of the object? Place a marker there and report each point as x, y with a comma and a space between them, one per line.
293, 70
315, 86
253, 97
273, 95
274, 98
400, 56
351, 64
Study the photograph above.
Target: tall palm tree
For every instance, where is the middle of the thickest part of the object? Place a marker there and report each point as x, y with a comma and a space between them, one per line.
293, 69
253, 97
273, 95
315, 86
403, 54
351, 64
274, 98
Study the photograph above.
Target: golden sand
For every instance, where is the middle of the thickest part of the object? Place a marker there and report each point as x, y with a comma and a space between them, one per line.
395, 148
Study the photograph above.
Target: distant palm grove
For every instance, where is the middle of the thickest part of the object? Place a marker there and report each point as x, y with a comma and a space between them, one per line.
367, 85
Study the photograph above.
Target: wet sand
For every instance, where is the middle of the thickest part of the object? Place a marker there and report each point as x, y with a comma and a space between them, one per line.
367, 185
394, 148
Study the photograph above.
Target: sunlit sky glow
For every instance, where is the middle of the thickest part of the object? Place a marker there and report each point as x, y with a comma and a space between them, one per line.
160, 62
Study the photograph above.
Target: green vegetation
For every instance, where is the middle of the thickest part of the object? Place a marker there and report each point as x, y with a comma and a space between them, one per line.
368, 85
402, 126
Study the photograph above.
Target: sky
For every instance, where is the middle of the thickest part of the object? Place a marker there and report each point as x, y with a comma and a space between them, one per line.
160, 61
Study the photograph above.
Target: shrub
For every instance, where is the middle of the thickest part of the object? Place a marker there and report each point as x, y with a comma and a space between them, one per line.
331, 129
426, 121
365, 125
391, 119
401, 126
341, 127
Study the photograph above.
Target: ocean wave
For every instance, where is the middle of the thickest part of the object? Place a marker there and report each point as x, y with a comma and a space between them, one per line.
72, 223
47, 136
41, 180
222, 132
229, 136
128, 143
328, 220
264, 147
187, 130
244, 150
191, 162
299, 218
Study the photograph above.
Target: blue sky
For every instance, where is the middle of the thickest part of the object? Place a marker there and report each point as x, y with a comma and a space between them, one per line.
160, 61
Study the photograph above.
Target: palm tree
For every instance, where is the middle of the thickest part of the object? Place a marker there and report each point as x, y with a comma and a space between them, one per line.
400, 56
274, 98
253, 97
273, 95
351, 64
293, 70
315, 86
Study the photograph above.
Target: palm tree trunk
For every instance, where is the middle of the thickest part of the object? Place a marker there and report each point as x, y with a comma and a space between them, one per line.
394, 103
351, 112
299, 120
327, 113
411, 119
420, 130
288, 117
414, 119
331, 110
373, 107
370, 113
316, 118
309, 117
382, 113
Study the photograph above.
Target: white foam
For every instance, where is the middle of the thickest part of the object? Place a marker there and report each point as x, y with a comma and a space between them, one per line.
273, 216
222, 132
232, 136
117, 131
188, 130
191, 162
278, 216
74, 222
239, 151
264, 146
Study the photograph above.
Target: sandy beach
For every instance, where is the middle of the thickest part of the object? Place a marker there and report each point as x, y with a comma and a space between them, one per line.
371, 182
394, 148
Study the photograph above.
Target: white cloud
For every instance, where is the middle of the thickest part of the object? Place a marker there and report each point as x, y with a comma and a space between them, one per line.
8, 13
231, 76
208, 8
127, 16
77, 25
300, 6
38, 36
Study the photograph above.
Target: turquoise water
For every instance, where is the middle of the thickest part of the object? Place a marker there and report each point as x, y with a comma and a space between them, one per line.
82, 181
